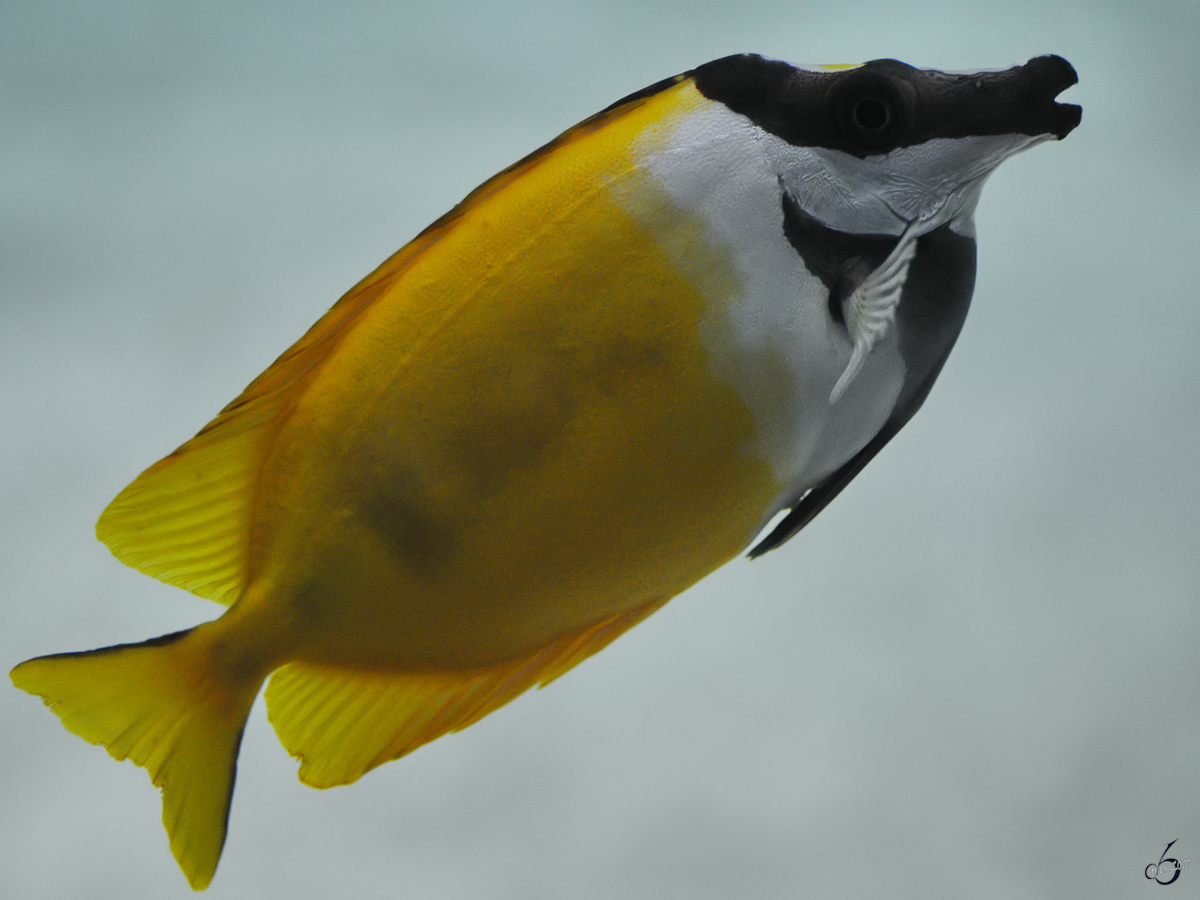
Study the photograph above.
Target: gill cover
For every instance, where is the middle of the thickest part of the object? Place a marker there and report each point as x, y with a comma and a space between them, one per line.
880, 168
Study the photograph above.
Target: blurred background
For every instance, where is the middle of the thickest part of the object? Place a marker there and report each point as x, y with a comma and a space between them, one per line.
974, 676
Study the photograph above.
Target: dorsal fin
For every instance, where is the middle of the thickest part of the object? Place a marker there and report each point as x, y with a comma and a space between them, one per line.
341, 723
186, 520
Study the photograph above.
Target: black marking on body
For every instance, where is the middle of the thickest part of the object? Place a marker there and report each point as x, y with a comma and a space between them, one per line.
886, 104
929, 317
842, 261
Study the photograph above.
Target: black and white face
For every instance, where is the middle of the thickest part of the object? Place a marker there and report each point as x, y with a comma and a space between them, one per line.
844, 198
876, 148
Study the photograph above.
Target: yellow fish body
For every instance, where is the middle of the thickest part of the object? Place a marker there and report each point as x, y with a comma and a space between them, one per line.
576, 394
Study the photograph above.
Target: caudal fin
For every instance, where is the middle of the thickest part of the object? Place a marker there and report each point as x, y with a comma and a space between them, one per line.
159, 704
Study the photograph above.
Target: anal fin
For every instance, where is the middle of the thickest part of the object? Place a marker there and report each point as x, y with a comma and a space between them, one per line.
341, 723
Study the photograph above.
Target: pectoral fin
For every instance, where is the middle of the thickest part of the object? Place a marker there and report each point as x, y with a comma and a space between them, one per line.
871, 309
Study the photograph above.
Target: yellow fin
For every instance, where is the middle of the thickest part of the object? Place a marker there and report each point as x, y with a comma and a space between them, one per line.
186, 520
154, 703
341, 723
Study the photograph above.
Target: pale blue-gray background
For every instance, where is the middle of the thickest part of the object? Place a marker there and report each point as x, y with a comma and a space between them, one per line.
974, 676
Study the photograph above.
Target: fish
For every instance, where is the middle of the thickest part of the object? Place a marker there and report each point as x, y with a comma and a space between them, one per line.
601, 376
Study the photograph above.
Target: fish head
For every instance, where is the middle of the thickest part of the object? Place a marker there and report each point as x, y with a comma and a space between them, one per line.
877, 147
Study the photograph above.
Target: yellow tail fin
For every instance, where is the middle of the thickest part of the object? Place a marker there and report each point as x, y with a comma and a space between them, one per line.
159, 704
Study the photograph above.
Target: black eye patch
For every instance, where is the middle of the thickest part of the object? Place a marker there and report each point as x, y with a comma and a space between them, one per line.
886, 104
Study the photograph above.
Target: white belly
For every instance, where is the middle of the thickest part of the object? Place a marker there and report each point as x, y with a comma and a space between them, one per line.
770, 334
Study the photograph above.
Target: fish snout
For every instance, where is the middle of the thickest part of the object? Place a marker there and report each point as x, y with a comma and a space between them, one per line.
1043, 79
887, 103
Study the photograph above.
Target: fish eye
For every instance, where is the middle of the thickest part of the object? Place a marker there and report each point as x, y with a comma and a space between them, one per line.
870, 110
871, 113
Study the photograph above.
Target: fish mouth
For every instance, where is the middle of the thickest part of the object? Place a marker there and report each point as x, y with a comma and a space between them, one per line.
1041, 80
